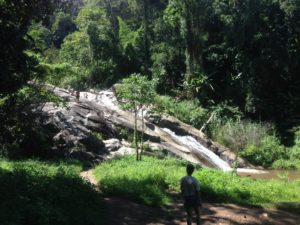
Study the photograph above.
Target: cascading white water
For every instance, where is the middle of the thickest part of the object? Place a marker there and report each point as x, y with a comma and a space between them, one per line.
192, 143
107, 98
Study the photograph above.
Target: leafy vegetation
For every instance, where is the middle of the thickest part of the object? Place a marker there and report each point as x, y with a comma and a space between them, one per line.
20, 133
44, 193
236, 62
205, 53
188, 111
136, 93
286, 164
252, 141
292, 161
151, 181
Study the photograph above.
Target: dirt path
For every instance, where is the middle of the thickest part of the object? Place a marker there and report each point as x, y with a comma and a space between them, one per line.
124, 212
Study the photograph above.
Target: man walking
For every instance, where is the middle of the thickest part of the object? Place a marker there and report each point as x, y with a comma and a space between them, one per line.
190, 190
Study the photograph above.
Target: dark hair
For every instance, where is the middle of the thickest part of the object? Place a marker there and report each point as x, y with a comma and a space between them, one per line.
190, 169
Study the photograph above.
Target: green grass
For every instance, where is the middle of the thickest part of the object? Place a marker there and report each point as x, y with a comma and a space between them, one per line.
151, 180
144, 181
42, 193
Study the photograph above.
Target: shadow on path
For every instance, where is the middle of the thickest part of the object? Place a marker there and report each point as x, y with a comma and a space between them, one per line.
120, 211
124, 212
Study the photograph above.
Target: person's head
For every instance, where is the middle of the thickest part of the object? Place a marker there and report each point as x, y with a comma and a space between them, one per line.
190, 169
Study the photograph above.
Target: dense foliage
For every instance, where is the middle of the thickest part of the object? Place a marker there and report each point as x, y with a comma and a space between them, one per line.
206, 54
151, 181
244, 52
45, 193
234, 63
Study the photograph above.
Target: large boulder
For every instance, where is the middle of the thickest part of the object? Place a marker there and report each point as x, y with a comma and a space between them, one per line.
71, 135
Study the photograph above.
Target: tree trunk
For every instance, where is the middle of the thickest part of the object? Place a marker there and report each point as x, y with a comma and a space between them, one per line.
142, 136
135, 135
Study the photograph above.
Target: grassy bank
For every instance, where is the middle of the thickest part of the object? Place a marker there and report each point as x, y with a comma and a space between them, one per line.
42, 193
151, 180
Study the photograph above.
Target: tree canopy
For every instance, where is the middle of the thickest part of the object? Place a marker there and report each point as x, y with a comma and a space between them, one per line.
243, 54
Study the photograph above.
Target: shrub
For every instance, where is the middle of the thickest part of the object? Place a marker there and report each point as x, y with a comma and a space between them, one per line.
265, 153
254, 141
238, 134
188, 111
294, 152
292, 159
286, 164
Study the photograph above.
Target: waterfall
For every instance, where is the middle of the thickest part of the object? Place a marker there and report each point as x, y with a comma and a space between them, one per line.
193, 144
107, 98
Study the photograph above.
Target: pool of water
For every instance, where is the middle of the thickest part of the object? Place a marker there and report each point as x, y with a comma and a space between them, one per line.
274, 174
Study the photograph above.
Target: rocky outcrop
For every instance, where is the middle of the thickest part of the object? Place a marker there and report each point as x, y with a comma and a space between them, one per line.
182, 129
78, 131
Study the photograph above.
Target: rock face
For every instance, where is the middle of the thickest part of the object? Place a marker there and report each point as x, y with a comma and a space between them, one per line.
182, 129
78, 131
71, 137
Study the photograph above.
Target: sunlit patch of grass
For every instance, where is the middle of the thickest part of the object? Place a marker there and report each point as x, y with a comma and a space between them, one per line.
151, 180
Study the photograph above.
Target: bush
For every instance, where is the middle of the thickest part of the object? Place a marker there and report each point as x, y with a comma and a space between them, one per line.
238, 134
294, 152
267, 151
254, 141
187, 111
286, 164
292, 161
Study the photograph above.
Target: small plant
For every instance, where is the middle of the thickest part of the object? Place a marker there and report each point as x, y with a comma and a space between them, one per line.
99, 136
135, 93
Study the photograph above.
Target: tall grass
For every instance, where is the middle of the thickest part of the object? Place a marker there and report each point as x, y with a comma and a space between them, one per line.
151, 181
237, 134
45, 193
254, 141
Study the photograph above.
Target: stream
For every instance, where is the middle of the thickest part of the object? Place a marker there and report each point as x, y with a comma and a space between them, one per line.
273, 174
